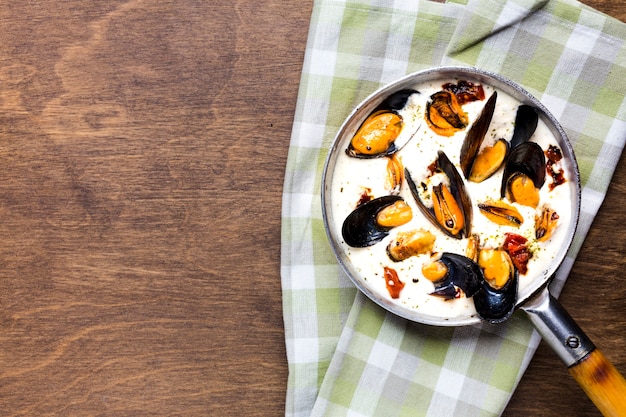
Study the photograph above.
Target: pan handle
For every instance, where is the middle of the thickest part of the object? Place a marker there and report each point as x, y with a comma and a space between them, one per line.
604, 385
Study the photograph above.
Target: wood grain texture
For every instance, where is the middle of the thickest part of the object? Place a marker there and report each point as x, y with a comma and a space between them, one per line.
143, 148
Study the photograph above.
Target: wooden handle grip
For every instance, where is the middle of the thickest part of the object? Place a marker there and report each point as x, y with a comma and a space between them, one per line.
602, 382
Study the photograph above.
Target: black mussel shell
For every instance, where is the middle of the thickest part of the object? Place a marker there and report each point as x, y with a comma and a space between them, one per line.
445, 105
463, 273
525, 124
360, 228
458, 190
527, 158
495, 306
393, 103
476, 134
397, 100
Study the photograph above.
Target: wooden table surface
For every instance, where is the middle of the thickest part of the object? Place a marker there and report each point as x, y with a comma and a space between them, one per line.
142, 149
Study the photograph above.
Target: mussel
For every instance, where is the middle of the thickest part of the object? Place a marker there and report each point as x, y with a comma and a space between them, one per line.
410, 243
497, 266
453, 273
489, 160
501, 213
473, 246
395, 174
478, 166
526, 120
371, 221
495, 299
380, 134
545, 223
451, 209
524, 174
475, 136
495, 305
444, 114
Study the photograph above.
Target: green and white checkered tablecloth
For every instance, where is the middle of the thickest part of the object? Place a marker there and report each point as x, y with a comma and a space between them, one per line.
346, 356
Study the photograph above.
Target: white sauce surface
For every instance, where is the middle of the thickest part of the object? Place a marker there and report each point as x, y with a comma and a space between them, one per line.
352, 176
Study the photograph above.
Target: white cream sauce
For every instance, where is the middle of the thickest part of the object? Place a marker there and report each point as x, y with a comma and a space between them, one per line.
352, 176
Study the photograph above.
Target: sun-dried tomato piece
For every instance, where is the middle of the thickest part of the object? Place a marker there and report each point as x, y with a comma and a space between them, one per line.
394, 285
517, 248
465, 91
553, 166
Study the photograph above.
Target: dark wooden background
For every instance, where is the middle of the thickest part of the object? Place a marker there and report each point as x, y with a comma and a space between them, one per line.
142, 154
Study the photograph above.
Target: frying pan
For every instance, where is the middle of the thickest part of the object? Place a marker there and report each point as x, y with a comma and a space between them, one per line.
596, 375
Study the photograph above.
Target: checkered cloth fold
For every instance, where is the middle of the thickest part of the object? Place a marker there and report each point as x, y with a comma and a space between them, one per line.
347, 356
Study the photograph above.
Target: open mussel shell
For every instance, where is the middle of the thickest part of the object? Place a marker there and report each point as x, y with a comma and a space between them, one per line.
475, 136
489, 160
361, 229
458, 192
526, 120
397, 100
496, 305
444, 114
527, 159
381, 133
462, 273
501, 213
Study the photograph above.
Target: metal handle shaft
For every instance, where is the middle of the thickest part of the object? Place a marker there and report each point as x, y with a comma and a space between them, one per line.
557, 328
